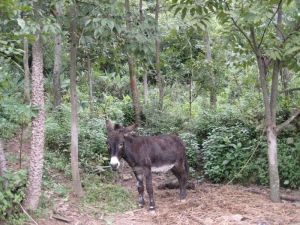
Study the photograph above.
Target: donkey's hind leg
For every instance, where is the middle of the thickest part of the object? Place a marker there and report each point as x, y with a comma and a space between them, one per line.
140, 186
181, 175
149, 188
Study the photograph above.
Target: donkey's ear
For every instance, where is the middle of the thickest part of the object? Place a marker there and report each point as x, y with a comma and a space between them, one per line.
109, 125
130, 128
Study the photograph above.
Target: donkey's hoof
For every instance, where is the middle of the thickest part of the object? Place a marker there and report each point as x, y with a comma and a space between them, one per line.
152, 210
141, 205
182, 200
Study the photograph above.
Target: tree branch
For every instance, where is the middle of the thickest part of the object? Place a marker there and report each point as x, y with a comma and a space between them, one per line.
288, 121
242, 32
270, 20
240, 29
290, 90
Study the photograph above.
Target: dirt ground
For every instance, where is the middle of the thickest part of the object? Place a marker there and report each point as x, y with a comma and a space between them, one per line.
207, 204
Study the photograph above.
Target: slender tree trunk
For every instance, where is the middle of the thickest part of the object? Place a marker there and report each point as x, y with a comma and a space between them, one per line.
3, 167
157, 59
145, 84
74, 117
190, 95
26, 72
132, 74
208, 56
91, 97
35, 172
57, 61
270, 118
145, 77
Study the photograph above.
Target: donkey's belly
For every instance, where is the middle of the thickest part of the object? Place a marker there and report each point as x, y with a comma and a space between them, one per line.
163, 168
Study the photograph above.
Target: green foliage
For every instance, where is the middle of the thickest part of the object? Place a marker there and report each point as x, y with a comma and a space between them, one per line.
226, 151
235, 153
12, 196
288, 164
58, 127
107, 197
92, 142
192, 148
92, 138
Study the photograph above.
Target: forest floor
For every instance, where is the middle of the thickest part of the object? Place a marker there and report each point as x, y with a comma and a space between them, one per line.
207, 204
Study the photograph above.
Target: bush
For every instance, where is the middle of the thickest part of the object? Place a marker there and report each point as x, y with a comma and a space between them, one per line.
210, 120
235, 152
226, 151
192, 148
12, 196
91, 139
288, 164
92, 142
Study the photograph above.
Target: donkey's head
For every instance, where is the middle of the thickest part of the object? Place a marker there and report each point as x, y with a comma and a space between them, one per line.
116, 142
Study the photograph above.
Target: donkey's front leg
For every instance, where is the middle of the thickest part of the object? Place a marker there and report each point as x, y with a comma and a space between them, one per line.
149, 188
140, 186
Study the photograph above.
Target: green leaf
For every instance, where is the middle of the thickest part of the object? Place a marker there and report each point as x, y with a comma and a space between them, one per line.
177, 10
21, 23
183, 13
192, 11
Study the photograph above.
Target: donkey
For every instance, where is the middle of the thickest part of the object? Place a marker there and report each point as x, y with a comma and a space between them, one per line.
146, 154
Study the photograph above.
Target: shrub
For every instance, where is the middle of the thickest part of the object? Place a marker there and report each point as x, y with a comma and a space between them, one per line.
226, 151
234, 152
192, 148
91, 139
92, 142
12, 196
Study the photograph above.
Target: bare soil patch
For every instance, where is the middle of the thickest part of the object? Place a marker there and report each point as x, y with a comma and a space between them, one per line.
211, 204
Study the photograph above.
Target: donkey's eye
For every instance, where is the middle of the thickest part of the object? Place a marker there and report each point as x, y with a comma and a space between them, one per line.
121, 145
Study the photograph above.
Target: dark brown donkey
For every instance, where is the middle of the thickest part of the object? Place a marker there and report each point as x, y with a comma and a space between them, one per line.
146, 154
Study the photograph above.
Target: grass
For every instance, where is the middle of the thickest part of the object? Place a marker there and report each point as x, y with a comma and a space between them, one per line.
106, 198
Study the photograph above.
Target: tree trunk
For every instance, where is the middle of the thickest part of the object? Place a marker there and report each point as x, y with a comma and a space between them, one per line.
26, 72
208, 56
132, 74
74, 117
2, 163
145, 77
57, 61
270, 117
91, 97
145, 84
35, 171
157, 60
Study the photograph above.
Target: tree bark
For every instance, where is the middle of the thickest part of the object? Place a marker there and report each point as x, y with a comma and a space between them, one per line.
91, 97
35, 171
74, 117
208, 56
132, 73
157, 59
146, 91
57, 61
26, 72
145, 76
270, 118
3, 167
